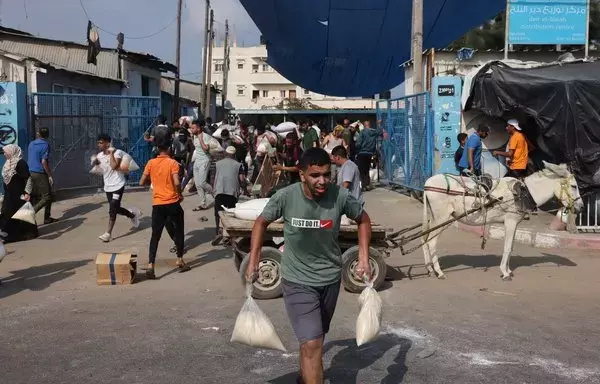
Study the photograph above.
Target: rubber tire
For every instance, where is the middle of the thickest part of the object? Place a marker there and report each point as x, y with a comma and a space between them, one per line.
238, 257
259, 294
349, 257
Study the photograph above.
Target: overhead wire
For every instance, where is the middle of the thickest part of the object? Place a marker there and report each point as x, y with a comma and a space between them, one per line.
126, 36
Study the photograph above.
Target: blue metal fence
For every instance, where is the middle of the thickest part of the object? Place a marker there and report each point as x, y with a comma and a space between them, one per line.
75, 121
406, 149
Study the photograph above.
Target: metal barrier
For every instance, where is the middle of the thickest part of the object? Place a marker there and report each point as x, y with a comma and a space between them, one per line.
406, 149
75, 121
588, 220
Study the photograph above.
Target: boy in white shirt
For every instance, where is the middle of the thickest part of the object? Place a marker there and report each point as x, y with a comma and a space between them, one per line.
109, 160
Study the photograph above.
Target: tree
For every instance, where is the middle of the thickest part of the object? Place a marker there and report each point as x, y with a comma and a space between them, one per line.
491, 34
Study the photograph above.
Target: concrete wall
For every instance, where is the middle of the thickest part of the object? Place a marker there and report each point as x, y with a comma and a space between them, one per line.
132, 73
446, 63
256, 75
87, 84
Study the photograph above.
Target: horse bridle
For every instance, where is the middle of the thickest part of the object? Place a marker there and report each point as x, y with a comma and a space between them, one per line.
565, 189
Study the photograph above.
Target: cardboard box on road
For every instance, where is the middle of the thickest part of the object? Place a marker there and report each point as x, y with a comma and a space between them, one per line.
116, 268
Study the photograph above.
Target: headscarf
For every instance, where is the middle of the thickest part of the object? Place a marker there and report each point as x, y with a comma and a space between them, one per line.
13, 154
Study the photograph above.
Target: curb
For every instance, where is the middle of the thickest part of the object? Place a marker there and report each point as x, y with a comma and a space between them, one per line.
549, 239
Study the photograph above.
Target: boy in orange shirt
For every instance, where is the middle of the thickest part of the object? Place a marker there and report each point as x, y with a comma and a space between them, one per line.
163, 173
518, 151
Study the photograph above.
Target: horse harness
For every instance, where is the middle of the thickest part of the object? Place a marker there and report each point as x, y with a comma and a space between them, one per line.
483, 187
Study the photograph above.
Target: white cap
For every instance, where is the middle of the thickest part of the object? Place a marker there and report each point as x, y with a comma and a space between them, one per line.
515, 123
230, 150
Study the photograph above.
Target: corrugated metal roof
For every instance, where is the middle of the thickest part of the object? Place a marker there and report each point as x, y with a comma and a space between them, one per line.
70, 58
187, 89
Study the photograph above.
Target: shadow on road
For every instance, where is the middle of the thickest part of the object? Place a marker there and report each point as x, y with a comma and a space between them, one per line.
350, 360
39, 277
80, 210
145, 223
490, 261
59, 228
199, 261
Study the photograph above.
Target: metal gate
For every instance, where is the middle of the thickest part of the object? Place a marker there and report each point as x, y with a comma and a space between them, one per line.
407, 145
75, 121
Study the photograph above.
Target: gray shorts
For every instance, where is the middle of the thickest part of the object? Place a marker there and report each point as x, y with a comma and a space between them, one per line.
310, 309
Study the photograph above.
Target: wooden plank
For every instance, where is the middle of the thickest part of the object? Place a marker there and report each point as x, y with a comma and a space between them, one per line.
242, 228
267, 178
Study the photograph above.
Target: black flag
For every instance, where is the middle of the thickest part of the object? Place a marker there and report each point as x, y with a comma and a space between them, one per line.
93, 39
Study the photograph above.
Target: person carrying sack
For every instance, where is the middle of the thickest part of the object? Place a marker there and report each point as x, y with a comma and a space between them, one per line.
311, 262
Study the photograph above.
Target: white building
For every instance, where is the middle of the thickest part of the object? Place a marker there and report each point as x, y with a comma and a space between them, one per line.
253, 84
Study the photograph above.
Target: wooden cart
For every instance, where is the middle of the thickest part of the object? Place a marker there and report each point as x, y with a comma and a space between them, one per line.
268, 284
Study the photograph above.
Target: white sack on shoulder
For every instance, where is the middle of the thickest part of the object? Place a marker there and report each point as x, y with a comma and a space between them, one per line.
253, 327
214, 146
286, 126
368, 322
128, 164
25, 213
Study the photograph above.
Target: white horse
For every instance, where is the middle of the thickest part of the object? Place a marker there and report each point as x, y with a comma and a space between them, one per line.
448, 196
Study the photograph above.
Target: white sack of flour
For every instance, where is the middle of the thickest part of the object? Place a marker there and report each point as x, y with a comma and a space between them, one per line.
253, 327
368, 322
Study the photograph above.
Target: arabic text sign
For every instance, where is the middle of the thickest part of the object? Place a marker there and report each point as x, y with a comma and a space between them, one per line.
547, 22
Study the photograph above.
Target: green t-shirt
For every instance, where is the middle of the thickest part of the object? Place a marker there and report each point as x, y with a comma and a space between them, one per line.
309, 138
311, 253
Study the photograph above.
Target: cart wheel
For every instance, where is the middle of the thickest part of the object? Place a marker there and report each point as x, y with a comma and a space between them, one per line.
349, 262
268, 285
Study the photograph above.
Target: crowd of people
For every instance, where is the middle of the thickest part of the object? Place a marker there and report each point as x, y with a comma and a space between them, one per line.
468, 160
26, 181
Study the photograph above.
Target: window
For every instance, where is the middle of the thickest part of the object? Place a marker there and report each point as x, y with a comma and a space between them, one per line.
306, 92
240, 92
265, 93
254, 68
265, 67
282, 94
255, 94
240, 65
145, 86
56, 88
218, 67
293, 94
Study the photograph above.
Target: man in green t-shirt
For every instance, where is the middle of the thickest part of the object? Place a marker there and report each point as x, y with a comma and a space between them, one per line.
311, 263
310, 137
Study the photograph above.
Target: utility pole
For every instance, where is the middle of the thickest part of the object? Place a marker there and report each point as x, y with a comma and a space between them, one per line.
175, 113
204, 51
211, 39
225, 64
417, 45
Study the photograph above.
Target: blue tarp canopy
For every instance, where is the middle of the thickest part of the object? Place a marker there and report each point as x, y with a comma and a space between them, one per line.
356, 47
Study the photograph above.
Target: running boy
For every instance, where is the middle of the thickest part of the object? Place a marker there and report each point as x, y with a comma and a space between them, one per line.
109, 161
163, 172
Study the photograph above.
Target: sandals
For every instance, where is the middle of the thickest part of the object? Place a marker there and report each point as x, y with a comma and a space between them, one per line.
183, 267
200, 208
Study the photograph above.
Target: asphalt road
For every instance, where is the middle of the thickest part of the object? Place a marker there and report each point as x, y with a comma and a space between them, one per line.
58, 326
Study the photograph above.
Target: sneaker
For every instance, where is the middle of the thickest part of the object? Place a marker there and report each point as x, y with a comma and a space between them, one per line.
135, 220
105, 237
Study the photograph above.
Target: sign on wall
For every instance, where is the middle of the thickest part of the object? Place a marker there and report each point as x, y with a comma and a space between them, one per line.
13, 117
547, 22
447, 121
